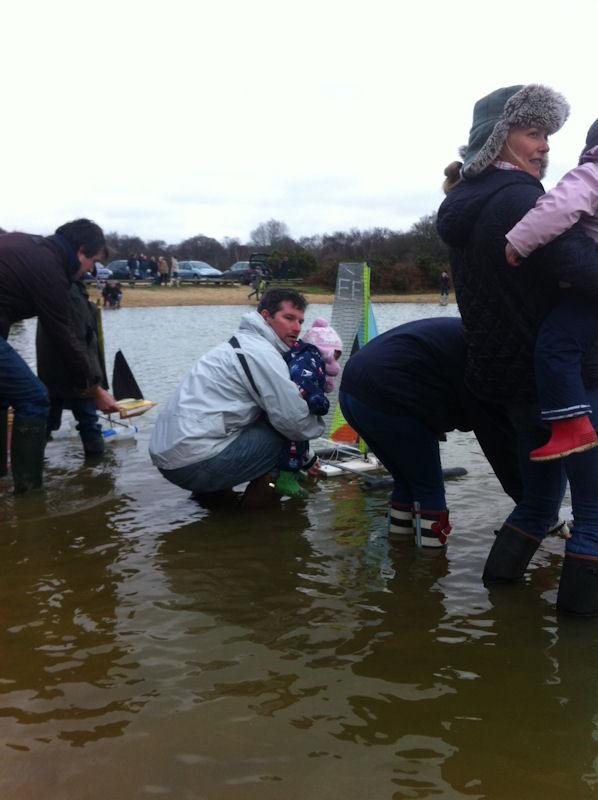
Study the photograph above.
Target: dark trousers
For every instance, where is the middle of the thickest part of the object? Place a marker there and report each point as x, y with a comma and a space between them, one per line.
84, 411
566, 335
544, 483
407, 448
19, 387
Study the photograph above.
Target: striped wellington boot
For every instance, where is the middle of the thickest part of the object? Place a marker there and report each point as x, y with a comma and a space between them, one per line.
432, 528
400, 520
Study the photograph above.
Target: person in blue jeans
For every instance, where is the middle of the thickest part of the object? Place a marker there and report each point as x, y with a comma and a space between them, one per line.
488, 192
229, 419
28, 397
35, 277
402, 392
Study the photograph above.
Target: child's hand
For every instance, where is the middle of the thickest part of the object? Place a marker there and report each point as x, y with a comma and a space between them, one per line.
512, 256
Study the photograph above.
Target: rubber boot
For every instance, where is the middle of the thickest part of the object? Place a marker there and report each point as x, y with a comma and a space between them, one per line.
287, 485
93, 444
567, 436
27, 453
259, 493
578, 587
3, 442
400, 521
224, 498
434, 528
510, 554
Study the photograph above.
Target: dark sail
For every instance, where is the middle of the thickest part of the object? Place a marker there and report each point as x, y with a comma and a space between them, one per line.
124, 384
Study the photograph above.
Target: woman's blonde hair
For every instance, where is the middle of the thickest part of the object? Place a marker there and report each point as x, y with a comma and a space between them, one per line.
452, 175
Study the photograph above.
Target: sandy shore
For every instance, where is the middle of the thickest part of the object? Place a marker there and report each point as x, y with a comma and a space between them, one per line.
147, 296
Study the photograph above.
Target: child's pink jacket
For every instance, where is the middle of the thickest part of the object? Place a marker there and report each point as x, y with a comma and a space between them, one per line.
575, 197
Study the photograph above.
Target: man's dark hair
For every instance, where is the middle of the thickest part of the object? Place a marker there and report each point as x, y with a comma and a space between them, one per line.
274, 298
85, 235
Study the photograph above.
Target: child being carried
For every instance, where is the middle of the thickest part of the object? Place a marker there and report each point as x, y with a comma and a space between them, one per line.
570, 330
313, 365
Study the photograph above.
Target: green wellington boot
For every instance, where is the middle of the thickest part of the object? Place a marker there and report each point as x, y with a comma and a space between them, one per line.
3, 442
287, 485
27, 453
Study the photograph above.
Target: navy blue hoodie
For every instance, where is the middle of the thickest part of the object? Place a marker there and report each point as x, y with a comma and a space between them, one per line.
416, 370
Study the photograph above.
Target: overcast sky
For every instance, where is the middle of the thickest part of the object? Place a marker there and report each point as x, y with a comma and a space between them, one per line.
182, 117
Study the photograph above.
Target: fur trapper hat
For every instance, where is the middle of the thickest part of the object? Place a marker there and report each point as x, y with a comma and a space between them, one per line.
323, 336
498, 112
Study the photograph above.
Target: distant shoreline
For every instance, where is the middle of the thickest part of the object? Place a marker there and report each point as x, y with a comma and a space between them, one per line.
162, 296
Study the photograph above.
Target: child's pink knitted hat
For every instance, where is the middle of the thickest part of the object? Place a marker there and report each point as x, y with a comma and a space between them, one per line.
323, 336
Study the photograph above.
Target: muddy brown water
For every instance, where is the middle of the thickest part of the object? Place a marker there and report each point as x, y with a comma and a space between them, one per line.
150, 648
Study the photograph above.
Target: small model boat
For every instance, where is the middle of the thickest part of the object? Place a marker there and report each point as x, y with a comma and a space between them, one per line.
126, 391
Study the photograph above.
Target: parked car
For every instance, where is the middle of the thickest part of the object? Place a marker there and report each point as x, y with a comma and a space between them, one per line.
241, 272
259, 260
102, 273
120, 270
197, 271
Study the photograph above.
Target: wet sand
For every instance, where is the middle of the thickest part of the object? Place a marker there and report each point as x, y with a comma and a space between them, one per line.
148, 296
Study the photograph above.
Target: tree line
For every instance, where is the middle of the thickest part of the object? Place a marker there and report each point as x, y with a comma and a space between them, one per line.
401, 261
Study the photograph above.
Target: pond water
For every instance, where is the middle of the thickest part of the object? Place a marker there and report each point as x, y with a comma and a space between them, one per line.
150, 648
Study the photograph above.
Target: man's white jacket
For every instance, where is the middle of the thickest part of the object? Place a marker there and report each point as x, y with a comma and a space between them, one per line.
216, 401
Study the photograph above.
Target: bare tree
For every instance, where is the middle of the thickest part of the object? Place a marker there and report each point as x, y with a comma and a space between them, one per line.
269, 234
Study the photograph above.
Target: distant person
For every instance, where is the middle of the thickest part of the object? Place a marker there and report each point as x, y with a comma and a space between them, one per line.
54, 374
445, 287
231, 417
153, 268
256, 281
112, 294
163, 270
132, 267
283, 268
174, 271
36, 273
143, 265
266, 280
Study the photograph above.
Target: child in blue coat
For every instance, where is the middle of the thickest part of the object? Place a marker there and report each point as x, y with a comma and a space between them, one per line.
313, 365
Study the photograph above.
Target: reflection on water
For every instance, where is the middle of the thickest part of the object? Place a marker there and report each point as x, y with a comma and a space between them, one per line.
152, 648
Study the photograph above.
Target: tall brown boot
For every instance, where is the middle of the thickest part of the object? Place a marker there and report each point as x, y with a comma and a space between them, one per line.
259, 493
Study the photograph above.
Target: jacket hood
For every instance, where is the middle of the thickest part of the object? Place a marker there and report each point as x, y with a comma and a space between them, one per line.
459, 211
253, 323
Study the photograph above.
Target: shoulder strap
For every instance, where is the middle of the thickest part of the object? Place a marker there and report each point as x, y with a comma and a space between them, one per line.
234, 343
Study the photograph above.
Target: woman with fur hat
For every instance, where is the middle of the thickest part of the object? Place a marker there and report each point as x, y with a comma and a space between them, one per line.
313, 365
502, 311
572, 327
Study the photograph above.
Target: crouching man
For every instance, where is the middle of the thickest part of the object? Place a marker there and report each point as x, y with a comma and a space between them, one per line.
228, 420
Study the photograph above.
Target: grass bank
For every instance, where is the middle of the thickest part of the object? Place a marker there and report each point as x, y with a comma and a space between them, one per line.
146, 296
